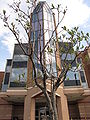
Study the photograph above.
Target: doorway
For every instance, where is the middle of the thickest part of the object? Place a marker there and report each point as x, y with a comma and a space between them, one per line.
41, 111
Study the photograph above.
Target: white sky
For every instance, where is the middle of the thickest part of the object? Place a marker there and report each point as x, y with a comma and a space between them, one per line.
78, 14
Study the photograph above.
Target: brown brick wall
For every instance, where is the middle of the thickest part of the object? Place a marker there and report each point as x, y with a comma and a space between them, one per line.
1, 78
86, 62
73, 111
5, 110
9, 110
80, 110
84, 108
18, 111
87, 72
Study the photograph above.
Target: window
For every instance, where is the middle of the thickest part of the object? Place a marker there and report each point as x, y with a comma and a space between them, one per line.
69, 56
72, 75
69, 62
20, 58
79, 60
37, 17
82, 76
19, 74
19, 64
7, 75
9, 62
19, 51
39, 45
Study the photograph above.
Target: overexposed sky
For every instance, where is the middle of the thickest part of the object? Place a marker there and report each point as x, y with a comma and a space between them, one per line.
78, 14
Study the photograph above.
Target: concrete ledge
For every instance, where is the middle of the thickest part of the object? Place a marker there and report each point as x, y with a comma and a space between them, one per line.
3, 94
86, 92
77, 90
16, 92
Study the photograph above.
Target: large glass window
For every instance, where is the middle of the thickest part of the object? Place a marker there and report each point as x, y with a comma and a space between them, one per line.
37, 14
39, 45
48, 35
38, 25
72, 75
18, 74
18, 50
68, 56
8, 68
48, 25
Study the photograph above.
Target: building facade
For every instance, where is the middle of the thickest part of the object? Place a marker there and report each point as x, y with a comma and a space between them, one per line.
19, 100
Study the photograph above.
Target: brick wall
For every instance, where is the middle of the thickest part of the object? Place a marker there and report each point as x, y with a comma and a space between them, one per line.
86, 62
73, 110
5, 110
1, 78
84, 108
18, 111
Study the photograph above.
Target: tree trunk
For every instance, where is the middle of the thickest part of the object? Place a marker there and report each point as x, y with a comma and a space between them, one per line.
54, 105
51, 101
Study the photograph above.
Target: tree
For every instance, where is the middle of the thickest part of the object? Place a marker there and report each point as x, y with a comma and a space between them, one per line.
46, 72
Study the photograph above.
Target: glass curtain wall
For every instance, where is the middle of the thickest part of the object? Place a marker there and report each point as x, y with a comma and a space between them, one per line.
18, 74
49, 34
42, 28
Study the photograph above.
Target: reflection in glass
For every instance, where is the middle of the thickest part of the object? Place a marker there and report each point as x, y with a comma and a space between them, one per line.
18, 74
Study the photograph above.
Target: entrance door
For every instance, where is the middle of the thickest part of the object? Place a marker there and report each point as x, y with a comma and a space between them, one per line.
41, 112
44, 114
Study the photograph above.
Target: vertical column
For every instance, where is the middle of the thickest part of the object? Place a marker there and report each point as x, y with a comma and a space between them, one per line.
59, 108
64, 108
29, 74
32, 110
26, 108
29, 108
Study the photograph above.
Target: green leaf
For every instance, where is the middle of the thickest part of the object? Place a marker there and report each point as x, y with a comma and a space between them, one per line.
27, 24
70, 65
16, 19
23, 75
64, 27
64, 12
77, 65
58, 5
57, 67
5, 25
27, 1
19, 77
76, 28
82, 47
86, 58
77, 48
67, 78
87, 34
4, 12
53, 6
63, 35
82, 33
